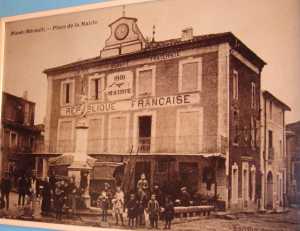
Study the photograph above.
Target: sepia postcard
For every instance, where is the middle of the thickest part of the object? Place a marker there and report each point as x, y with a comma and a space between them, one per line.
152, 114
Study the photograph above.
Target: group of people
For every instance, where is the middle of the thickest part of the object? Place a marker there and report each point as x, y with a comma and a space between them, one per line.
140, 206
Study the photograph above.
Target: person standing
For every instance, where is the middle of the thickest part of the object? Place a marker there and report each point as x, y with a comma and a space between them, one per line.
169, 212
103, 202
132, 206
118, 205
153, 210
46, 200
21, 190
5, 189
142, 204
59, 200
74, 194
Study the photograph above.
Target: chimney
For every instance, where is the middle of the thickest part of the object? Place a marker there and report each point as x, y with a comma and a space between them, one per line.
25, 95
187, 34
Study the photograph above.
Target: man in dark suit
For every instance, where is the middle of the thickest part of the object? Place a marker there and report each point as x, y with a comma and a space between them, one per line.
5, 189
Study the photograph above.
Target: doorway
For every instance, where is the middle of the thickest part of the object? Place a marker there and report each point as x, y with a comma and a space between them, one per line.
269, 204
144, 133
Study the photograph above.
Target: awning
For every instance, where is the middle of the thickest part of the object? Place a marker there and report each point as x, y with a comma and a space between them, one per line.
45, 155
105, 170
204, 155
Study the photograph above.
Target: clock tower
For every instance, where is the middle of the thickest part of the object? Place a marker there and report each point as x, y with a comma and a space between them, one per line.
125, 37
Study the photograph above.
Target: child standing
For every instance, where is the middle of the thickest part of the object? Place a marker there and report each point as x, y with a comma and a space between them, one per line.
104, 203
169, 213
153, 210
118, 205
132, 207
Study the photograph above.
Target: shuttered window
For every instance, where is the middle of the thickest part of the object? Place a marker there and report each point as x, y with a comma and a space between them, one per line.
145, 82
118, 137
190, 75
65, 136
67, 92
189, 134
95, 139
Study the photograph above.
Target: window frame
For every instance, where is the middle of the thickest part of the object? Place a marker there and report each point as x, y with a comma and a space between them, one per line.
253, 95
201, 126
153, 80
235, 85
101, 117
101, 79
60, 121
180, 70
71, 93
11, 145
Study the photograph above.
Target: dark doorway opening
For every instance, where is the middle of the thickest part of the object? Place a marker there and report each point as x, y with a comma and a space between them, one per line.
145, 123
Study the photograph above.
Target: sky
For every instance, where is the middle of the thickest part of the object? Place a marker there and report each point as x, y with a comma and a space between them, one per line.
270, 28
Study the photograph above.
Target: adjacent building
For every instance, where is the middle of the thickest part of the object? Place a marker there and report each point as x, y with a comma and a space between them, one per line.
187, 109
274, 158
21, 140
293, 152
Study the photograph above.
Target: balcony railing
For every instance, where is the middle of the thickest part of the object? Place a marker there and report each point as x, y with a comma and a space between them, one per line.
144, 144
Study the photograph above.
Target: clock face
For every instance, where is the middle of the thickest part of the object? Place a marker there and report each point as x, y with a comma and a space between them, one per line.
121, 31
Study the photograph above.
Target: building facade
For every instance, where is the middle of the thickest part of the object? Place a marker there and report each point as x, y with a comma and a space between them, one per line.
293, 153
20, 137
273, 152
186, 109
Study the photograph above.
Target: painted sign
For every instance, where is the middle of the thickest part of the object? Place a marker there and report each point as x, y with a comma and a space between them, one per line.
134, 104
119, 86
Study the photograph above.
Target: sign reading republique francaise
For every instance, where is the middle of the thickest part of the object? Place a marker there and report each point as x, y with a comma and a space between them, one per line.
133, 104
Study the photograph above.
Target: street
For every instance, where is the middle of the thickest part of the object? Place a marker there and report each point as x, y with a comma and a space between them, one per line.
238, 222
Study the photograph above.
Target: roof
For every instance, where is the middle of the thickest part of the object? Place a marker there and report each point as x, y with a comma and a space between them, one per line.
156, 46
130, 18
17, 97
293, 126
269, 95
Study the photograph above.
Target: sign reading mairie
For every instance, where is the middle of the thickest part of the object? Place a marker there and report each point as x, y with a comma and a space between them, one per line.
133, 104
119, 86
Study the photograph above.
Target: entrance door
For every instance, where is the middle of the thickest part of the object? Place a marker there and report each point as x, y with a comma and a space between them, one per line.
269, 204
145, 123
189, 175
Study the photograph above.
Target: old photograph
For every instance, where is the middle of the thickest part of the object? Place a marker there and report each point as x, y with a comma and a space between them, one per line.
156, 114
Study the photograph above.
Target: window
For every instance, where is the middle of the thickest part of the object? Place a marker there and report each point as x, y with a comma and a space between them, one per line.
67, 92
65, 136
253, 95
235, 85
190, 75
234, 183
96, 87
118, 133
27, 114
253, 132
95, 135
13, 141
189, 131
235, 128
270, 109
145, 81
270, 145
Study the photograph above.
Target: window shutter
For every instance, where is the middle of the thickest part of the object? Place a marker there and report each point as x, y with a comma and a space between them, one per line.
190, 76
92, 91
145, 82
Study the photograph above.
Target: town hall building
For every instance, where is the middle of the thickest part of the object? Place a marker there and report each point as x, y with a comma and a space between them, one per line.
186, 109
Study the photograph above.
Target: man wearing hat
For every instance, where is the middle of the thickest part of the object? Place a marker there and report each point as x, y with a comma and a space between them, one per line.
185, 197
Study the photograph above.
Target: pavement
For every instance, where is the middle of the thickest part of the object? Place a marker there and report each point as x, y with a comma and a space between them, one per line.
240, 222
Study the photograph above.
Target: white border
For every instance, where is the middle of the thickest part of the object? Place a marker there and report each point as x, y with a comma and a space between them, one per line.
190, 60
145, 68
110, 117
195, 109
